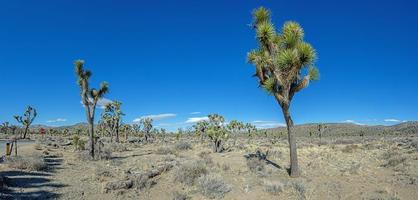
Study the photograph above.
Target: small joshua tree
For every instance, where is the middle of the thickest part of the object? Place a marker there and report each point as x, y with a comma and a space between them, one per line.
5, 127
250, 128
126, 129
235, 127
284, 66
112, 119
89, 97
27, 119
217, 132
146, 124
200, 128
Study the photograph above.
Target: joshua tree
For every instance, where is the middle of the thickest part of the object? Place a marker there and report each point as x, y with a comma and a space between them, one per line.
112, 118
126, 128
146, 124
27, 119
217, 132
89, 97
5, 127
235, 127
321, 128
284, 66
200, 128
250, 128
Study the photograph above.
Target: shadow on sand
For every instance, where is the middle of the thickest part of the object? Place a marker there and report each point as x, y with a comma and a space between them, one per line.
31, 185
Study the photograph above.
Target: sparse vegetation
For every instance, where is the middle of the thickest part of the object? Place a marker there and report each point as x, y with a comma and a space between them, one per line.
31, 163
213, 186
189, 172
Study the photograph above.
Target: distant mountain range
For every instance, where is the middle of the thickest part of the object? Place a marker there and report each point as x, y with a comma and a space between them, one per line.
304, 129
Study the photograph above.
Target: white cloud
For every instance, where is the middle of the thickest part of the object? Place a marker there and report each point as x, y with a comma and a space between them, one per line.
56, 120
101, 103
391, 120
267, 124
352, 122
156, 117
195, 113
196, 119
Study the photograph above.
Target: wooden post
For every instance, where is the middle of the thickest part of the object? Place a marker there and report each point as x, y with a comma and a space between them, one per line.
7, 148
15, 147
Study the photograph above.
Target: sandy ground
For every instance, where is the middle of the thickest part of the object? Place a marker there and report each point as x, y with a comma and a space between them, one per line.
374, 169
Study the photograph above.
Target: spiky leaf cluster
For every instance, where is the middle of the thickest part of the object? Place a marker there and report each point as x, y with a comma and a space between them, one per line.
283, 60
28, 117
216, 129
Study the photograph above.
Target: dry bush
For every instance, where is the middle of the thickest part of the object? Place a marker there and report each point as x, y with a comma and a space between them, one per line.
102, 174
207, 159
300, 188
118, 147
189, 172
183, 146
213, 186
164, 150
32, 163
344, 141
349, 148
180, 196
273, 188
395, 161
257, 166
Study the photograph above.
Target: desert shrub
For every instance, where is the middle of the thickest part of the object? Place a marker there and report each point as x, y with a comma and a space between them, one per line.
349, 148
300, 188
183, 146
344, 141
102, 174
32, 163
164, 150
81, 144
118, 147
414, 144
257, 166
180, 196
395, 161
213, 186
273, 188
189, 172
142, 181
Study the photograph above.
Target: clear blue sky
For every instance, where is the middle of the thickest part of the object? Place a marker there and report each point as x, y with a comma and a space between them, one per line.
179, 57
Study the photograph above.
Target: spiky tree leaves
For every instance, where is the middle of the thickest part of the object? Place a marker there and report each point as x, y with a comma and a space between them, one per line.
200, 128
112, 118
217, 132
27, 119
89, 97
284, 66
250, 128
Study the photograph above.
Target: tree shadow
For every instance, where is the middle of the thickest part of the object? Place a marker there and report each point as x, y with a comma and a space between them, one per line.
263, 156
31, 185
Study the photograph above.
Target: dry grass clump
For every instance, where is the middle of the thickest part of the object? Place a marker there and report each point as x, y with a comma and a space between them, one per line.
164, 150
395, 161
37, 147
32, 163
349, 148
101, 174
118, 147
257, 166
273, 188
189, 172
205, 156
180, 196
213, 186
183, 146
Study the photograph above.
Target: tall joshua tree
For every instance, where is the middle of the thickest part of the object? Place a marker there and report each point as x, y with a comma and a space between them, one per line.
217, 132
27, 119
89, 97
284, 66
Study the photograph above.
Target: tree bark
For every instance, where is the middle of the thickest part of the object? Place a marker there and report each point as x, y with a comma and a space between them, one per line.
91, 138
117, 132
294, 167
26, 131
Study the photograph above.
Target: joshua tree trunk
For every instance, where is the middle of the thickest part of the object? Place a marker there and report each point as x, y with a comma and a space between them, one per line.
217, 146
91, 138
117, 132
26, 131
294, 168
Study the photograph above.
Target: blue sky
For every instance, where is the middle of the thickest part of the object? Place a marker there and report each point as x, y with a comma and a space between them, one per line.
181, 60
